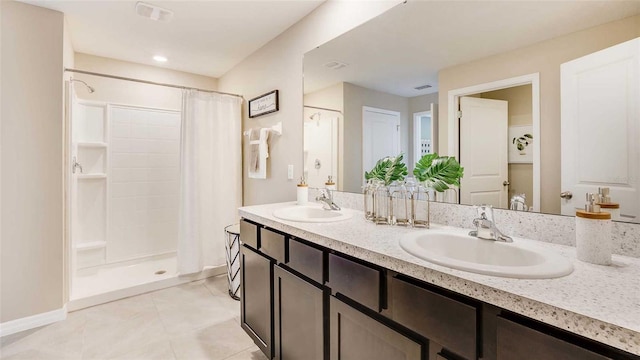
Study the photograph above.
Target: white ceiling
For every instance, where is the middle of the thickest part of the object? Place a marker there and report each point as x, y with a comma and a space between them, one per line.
407, 46
204, 37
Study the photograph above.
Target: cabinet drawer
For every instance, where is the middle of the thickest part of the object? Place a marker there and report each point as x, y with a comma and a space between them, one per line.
306, 260
449, 322
249, 234
517, 341
356, 281
273, 244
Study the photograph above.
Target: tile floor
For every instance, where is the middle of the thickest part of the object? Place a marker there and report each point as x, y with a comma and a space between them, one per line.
197, 320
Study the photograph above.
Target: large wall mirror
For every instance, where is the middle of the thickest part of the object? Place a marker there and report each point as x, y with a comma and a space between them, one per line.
534, 98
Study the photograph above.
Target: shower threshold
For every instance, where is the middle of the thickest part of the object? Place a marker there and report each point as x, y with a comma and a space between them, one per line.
102, 284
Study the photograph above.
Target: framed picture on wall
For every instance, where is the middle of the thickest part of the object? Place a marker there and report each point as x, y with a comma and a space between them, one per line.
520, 140
264, 104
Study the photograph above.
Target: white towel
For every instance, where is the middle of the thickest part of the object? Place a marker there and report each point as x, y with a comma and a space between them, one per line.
254, 150
262, 153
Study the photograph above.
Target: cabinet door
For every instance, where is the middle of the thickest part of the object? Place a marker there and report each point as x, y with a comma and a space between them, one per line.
517, 341
356, 336
256, 305
298, 317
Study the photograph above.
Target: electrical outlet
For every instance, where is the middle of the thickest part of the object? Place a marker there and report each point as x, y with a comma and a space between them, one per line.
290, 172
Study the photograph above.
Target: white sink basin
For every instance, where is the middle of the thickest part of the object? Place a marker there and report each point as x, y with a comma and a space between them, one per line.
310, 213
456, 249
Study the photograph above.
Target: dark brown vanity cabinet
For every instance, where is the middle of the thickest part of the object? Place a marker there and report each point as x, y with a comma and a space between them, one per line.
301, 301
451, 323
256, 295
298, 317
357, 336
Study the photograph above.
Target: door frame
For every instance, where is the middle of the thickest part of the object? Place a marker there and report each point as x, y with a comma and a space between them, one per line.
454, 124
417, 132
362, 145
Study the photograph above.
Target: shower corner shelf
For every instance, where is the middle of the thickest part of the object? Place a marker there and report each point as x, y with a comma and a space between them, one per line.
91, 245
92, 144
91, 176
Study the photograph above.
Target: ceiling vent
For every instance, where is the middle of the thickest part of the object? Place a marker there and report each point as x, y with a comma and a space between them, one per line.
153, 12
422, 87
335, 65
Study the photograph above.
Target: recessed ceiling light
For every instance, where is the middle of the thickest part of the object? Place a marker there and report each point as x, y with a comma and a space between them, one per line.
160, 58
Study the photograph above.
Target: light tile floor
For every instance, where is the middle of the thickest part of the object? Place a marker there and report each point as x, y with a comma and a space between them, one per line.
197, 320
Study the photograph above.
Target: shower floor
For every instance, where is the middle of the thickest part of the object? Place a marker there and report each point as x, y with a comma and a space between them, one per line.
101, 284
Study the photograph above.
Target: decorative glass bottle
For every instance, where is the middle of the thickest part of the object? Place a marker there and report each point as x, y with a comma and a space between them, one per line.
420, 206
369, 191
400, 204
381, 204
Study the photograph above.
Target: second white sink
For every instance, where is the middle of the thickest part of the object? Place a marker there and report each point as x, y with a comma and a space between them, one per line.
456, 249
310, 213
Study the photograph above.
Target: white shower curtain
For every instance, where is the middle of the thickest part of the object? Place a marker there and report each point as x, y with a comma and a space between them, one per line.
210, 177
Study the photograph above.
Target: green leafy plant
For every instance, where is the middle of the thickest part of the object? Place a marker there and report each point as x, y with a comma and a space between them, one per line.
388, 169
521, 142
438, 172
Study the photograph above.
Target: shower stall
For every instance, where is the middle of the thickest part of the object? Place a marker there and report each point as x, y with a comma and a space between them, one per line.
123, 197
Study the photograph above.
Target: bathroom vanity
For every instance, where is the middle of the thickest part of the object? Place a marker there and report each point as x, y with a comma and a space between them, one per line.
346, 290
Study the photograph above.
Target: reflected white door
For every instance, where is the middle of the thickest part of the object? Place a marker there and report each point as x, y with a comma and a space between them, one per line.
483, 151
380, 135
600, 95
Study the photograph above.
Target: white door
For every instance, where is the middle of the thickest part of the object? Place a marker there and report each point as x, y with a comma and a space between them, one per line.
380, 135
483, 151
600, 95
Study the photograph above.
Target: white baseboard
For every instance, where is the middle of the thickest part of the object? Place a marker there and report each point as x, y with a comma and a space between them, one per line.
32, 322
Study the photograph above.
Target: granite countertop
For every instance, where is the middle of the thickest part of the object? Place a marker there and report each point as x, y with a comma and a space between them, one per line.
598, 302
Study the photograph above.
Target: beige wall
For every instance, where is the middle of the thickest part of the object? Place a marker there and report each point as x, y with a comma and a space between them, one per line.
32, 168
331, 97
355, 97
520, 112
132, 93
278, 65
545, 58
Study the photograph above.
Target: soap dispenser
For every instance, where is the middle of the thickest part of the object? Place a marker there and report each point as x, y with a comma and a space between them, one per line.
330, 184
593, 232
607, 205
303, 192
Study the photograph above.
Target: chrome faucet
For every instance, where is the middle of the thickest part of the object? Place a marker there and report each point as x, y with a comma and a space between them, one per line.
486, 227
326, 198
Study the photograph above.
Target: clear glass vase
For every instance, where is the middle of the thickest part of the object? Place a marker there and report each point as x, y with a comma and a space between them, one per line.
400, 204
368, 191
381, 204
420, 206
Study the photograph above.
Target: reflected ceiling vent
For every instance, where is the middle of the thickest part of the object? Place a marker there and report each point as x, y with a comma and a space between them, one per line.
335, 65
153, 12
422, 87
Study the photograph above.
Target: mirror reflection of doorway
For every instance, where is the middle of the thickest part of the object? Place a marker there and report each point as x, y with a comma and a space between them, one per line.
321, 146
483, 151
521, 175
380, 135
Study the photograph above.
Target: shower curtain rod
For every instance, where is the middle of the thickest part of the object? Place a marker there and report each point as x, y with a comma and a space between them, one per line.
148, 82
321, 108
